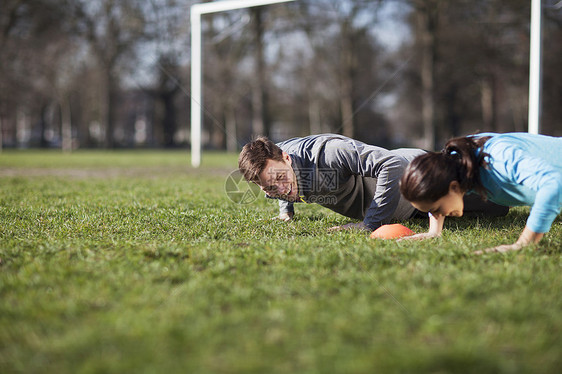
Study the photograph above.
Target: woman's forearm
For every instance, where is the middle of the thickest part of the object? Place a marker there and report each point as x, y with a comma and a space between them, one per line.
436, 224
528, 237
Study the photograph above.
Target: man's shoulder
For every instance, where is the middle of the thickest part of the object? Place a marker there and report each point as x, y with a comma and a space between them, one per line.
311, 139
311, 143
335, 145
409, 153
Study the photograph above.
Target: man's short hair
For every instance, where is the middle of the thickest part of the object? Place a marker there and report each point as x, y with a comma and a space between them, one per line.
254, 156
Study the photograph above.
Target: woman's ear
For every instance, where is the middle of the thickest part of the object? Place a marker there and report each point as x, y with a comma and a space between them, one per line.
455, 186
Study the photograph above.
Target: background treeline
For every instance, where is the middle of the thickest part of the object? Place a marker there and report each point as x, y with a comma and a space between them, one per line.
115, 73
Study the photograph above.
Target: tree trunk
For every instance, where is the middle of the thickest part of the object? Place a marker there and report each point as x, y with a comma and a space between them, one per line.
43, 125
66, 124
110, 102
346, 106
314, 118
348, 71
230, 122
1, 135
452, 118
259, 111
488, 98
169, 120
427, 23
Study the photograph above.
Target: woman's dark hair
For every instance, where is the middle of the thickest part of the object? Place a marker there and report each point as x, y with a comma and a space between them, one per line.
255, 155
429, 176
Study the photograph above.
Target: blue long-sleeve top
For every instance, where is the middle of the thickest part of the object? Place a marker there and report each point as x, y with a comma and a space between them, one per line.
525, 170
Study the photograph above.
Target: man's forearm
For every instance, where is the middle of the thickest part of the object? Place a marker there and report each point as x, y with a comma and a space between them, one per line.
286, 207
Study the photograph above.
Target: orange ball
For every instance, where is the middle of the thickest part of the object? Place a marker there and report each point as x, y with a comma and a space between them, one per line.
393, 231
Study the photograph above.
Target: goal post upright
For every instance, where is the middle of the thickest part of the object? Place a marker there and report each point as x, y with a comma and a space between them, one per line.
197, 10
535, 55
196, 93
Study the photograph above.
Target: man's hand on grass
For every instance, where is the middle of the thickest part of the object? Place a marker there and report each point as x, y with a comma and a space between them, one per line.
286, 217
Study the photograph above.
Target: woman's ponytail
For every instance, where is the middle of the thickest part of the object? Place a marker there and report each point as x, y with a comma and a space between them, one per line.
428, 176
464, 151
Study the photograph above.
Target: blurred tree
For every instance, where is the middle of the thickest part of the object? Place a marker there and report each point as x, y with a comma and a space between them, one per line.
112, 28
239, 72
483, 53
342, 67
260, 118
228, 38
167, 36
165, 91
90, 71
427, 20
472, 68
551, 122
36, 72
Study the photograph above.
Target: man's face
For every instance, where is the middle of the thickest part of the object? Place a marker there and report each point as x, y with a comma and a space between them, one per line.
278, 179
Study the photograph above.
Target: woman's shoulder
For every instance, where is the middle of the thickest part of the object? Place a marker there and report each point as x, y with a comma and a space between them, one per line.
506, 142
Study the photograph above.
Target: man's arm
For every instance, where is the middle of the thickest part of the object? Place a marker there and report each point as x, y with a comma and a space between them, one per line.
286, 211
387, 194
387, 167
351, 157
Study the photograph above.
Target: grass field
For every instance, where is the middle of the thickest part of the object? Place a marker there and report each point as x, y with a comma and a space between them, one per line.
132, 262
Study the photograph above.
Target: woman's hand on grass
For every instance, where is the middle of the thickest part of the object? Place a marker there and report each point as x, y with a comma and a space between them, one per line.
527, 237
501, 248
421, 236
435, 229
351, 226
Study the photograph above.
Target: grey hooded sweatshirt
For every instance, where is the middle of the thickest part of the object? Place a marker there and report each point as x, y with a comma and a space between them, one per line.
352, 178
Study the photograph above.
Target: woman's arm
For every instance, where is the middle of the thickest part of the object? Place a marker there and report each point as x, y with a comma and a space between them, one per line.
527, 237
529, 179
351, 226
435, 228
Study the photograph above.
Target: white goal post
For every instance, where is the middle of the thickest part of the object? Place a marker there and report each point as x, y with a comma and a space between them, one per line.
196, 59
535, 56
